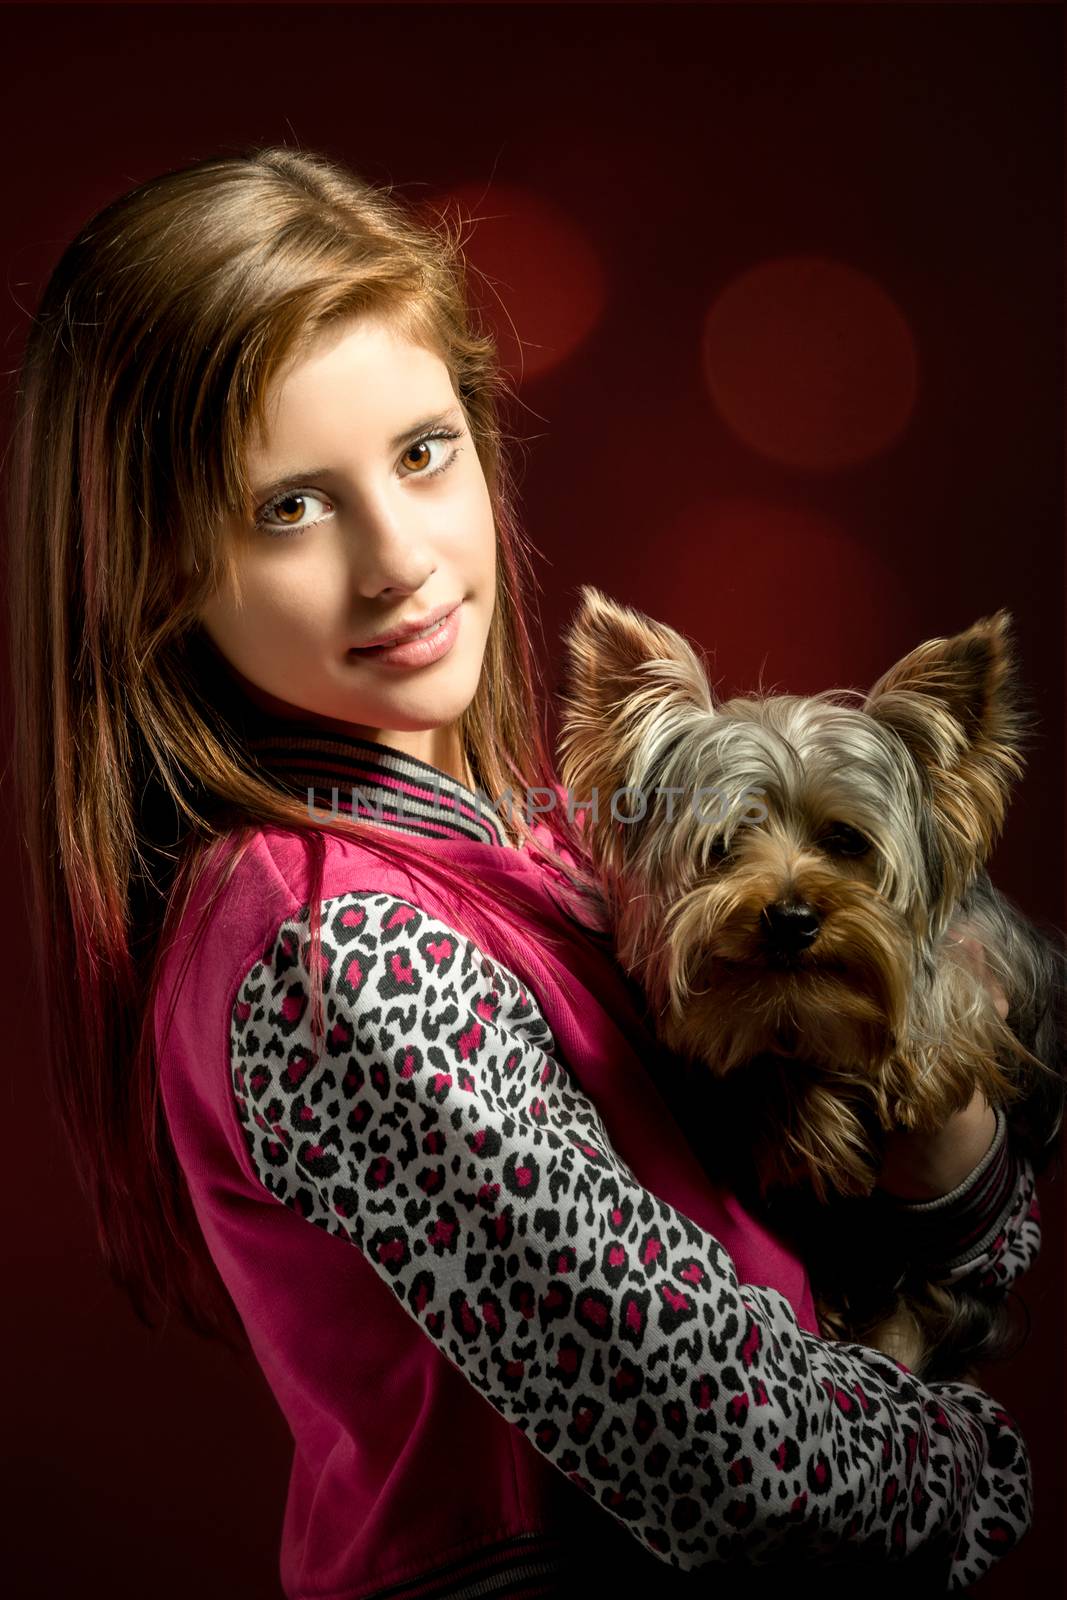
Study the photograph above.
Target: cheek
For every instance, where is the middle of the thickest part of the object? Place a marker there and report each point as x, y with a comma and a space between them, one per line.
273, 622
302, 594
489, 550
475, 527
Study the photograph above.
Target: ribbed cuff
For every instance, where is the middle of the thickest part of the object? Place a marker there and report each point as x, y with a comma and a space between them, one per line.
956, 1228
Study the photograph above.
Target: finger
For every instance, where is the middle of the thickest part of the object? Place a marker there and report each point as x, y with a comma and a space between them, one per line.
974, 953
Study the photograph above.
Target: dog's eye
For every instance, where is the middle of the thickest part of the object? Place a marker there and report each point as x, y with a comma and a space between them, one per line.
842, 840
718, 848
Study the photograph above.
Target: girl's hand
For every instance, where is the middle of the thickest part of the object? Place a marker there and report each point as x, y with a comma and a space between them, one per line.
973, 952
923, 1166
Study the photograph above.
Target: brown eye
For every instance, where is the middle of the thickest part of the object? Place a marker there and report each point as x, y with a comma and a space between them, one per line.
417, 449
292, 513
842, 840
291, 509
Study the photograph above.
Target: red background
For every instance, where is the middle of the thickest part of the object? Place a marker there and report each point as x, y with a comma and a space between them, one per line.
631, 165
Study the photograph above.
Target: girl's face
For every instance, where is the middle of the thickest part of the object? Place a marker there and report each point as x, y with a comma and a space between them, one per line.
364, 521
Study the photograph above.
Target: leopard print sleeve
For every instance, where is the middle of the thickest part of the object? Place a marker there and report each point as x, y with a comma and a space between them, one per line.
440, 1133
987, 1231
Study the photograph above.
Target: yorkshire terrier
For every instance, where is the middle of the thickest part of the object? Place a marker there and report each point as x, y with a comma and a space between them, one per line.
790, 916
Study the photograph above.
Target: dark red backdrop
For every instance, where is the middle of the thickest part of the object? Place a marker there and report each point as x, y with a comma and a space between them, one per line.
789, 284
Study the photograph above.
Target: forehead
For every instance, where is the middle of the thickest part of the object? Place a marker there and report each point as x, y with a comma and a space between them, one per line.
354, 383
806, 755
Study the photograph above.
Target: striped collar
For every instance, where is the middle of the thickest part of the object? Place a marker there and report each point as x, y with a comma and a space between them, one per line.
338, 772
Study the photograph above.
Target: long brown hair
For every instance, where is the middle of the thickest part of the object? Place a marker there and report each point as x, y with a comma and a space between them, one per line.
146, 369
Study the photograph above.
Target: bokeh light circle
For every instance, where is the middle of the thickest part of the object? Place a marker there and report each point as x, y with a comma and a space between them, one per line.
784, 598
810, 362
546, 288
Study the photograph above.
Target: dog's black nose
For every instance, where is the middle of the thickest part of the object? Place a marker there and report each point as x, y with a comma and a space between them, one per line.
790, 926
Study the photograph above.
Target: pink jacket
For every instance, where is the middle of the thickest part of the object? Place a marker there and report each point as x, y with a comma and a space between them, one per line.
525, 1336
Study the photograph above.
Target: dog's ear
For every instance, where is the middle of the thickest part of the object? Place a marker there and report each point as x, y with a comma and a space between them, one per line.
957, 705
629, 685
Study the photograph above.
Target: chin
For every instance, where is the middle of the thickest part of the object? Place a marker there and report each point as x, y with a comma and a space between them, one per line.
416, 712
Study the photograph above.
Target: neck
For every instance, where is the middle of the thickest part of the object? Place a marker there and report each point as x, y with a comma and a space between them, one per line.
441, 747
336, 766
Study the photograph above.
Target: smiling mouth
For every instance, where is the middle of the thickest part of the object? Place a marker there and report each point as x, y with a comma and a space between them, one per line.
433, 643
410, 638
373, 649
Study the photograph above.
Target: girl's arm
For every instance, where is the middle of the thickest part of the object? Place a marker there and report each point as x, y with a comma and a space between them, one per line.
967, 1212
439, 1133
986, 1231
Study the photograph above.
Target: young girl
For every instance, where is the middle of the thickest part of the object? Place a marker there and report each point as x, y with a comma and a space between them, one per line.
334, 1031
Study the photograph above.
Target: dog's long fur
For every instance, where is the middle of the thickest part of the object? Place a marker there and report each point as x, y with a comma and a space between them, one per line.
797, 939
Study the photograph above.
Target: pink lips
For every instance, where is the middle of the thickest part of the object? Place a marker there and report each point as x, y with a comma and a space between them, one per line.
415, 652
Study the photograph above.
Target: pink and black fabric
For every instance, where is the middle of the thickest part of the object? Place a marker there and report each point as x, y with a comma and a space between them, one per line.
522, 1339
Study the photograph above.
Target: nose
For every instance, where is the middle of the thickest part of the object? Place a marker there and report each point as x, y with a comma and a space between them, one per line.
789, 926
389, 552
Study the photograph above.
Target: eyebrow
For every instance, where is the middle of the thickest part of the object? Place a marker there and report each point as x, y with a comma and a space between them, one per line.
303, 475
